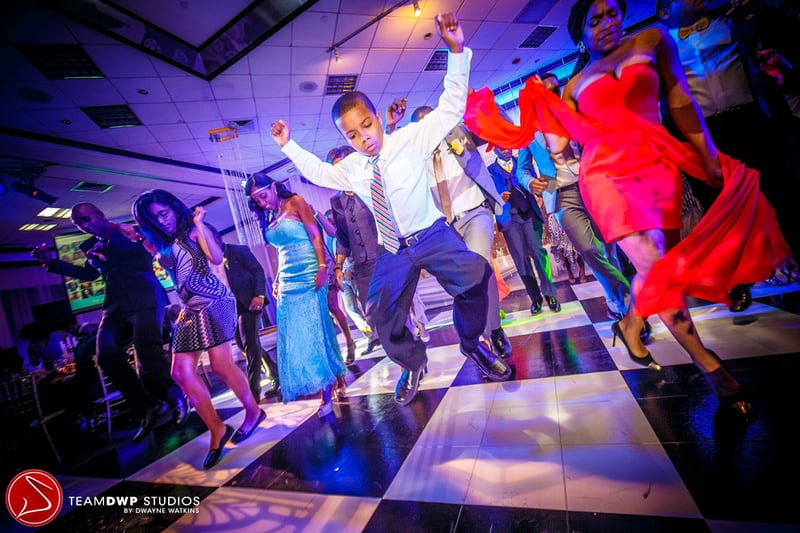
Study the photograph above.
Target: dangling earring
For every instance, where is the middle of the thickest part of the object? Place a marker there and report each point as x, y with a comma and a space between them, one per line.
581, 48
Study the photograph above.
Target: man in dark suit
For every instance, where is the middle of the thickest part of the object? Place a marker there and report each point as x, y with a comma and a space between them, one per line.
521, 223
357, 238
248, 282
133, 311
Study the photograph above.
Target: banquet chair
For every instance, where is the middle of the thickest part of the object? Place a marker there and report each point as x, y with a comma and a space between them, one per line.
22, 408
111, 402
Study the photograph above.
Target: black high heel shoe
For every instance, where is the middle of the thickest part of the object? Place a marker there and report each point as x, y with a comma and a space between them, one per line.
351, 353
647, 361
727, 389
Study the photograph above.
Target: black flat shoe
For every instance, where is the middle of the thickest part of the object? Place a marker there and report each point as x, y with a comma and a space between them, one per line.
647, 361
408, 384
536, 307
241, 434
553, 304
215, 454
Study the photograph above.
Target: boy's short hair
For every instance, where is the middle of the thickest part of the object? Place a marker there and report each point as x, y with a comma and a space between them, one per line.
348, 101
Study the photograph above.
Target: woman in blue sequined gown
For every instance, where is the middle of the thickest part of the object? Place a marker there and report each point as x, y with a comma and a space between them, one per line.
309, 359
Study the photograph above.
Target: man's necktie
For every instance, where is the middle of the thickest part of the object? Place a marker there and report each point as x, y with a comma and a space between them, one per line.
441, 186
383, 216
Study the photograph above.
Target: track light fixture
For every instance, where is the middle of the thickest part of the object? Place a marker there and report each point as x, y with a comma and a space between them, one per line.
334, 47
30, 190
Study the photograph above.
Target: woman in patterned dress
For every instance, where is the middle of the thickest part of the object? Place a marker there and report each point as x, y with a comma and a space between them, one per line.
186, 245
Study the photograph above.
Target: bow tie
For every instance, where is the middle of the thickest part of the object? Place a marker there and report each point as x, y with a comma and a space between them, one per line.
700, 25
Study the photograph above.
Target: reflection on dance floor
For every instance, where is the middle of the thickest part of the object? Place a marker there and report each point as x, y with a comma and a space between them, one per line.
580, 439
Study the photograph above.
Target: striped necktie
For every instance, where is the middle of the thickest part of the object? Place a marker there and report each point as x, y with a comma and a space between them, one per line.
383, 216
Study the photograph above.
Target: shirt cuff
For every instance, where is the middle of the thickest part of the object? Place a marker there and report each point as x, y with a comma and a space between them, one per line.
292, 149
459, 63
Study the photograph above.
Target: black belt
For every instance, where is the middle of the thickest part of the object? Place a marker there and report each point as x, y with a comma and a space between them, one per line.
461, 215
570, 187
415, 237
732, 109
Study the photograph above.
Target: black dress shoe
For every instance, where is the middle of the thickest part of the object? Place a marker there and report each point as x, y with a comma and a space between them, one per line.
740, 298
373, 343
215, 454
493, 367
408, 384
241, 434
501, 344
181, 410
273, 392
536, 308
148, 423
553, 304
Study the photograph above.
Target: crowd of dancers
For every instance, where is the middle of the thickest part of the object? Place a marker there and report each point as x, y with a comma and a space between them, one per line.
596, 171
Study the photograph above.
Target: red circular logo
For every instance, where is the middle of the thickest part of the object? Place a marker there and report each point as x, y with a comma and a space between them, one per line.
34, 498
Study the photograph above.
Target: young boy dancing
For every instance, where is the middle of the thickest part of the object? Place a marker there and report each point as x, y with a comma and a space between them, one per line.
388, 172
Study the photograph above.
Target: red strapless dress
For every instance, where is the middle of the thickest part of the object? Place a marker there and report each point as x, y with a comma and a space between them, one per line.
630, 181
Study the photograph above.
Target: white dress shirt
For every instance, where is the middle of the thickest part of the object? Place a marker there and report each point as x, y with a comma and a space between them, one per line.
403, 159
464, 192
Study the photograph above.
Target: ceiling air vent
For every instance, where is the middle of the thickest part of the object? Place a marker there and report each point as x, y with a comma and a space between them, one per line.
61, 61
538, 36
88, 186
112, 116
438, 61
341, 84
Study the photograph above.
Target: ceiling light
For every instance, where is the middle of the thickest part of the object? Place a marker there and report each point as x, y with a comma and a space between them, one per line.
36, 227
55, 212
336, 55
417, 10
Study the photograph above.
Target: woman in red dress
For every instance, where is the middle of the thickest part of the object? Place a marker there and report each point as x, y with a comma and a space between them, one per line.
630, 179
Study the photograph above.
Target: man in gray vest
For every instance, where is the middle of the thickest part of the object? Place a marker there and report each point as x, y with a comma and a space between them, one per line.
465, 192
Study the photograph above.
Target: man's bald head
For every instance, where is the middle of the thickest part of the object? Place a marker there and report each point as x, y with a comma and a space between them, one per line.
85, 208
420, 112
90, 219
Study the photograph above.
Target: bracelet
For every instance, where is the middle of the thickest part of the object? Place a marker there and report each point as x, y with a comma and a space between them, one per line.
337, 267
323, 265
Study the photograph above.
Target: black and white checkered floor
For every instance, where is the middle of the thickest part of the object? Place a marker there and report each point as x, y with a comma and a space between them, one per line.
580, 439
